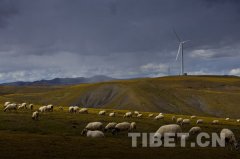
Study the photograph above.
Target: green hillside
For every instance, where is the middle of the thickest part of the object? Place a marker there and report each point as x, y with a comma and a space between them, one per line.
200, 95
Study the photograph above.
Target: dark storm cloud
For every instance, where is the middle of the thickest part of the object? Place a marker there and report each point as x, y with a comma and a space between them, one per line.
120, 38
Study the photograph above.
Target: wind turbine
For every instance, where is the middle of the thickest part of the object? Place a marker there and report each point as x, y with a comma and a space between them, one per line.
180, 49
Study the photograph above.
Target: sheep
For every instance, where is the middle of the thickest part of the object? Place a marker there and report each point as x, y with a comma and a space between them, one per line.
238, 120
136, 113
11, 106
124, 126
185, 122
133, 126
179, 120
159, 117
30, 106
102, 112
215, 122
83, 111
112, 114
173, 118
194, 130
35, 115
71, 109
139, 115
199, 121
193, 117
49, 108
5, 104
150, 115
94, 133
227, 119
128, 115
94, 126
21, 106
228, 136
110, 126
171, 128
75, 109
42, 109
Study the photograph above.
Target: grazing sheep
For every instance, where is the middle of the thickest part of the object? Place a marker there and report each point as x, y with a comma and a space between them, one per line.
238, 120
35, 115
195, 130
21, 106
94, 126
171, 128
133, 126
9, 107
160, 114
49, 108
112, 114
159, 117
215, 122
124, 126
94, 133
75, 109
193, 117
150, 115
185, 122
136, 113
199, 121
30, 106
42, 109
110, 126
71, 109
102, 112
139, 115
228, 136
128, 115
173, 118
5, 104
227, 119
179, 120
83, 111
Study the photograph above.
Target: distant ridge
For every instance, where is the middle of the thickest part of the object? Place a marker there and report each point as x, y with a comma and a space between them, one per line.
62, 81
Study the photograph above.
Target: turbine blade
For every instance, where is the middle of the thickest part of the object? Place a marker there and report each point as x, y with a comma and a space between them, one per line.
177, 35
179, 49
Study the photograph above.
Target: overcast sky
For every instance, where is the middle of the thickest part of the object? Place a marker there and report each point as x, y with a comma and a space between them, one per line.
44, 39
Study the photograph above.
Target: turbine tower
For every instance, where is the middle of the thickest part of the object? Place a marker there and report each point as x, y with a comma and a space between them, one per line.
180, 49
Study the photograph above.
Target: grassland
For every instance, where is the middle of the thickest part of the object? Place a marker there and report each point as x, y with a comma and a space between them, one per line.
201, 95
57, 135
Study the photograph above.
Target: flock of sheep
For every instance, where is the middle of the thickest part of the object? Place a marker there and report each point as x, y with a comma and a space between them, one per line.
96, 129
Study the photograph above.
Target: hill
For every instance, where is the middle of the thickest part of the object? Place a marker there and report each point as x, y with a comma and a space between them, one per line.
62, 81
199, 95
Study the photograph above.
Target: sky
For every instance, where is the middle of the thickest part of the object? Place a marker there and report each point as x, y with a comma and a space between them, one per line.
44, 39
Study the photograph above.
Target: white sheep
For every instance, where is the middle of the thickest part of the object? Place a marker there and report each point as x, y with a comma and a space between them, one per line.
94, 126
75, 109
5, 104
228, 136
71, 109
102, 112
185, 122
124, 126
215, 122
139, 115
11, 106
159, 117
193, 117
179, 120
83, 111
150, 115
195, 130
30, 106
94, 133
171, 128
110, 126
21, 106
35, 115
49, 108
238, 120
199, 121
136, 113
227, 119
128, 115
112, 114
42, 109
